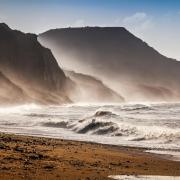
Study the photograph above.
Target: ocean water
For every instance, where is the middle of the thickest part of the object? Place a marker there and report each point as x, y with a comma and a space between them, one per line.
152, 126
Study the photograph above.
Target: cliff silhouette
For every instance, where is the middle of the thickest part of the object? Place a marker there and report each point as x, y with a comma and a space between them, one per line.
29, 70
29, 73
122, 61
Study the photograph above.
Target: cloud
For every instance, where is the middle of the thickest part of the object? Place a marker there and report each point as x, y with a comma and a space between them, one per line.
135, 18
78, 23
138, 22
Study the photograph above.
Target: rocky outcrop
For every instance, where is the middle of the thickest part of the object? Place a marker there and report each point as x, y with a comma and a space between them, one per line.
122, 61
90, 89
31, 67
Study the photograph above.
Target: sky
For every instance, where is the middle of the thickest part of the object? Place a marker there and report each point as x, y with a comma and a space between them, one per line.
157, 22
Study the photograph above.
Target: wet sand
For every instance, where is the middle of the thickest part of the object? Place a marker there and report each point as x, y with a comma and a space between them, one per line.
24, 157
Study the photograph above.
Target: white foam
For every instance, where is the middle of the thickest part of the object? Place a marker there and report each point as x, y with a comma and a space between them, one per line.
154, 127
18, 109
169, 154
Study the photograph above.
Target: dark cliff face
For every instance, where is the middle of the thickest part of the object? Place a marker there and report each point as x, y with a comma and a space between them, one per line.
11, 93
121, 60
90, 89
31, 67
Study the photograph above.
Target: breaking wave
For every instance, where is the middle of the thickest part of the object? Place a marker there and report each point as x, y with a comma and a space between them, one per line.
61, 124
109, 124
152, 125
137, 107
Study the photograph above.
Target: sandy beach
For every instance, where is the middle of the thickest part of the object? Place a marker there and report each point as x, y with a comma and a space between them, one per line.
25, 157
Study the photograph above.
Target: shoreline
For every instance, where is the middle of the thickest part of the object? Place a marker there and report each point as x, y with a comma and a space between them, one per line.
155, 151
30, 157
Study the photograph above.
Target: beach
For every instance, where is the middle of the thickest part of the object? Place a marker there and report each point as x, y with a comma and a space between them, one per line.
89, 90
28, 157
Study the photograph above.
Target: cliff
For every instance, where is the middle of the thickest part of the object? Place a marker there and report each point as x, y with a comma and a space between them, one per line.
90, 89
31, 67
10, 93
122, 61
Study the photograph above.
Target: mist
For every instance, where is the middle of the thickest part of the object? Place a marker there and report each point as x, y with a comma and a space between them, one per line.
120, 60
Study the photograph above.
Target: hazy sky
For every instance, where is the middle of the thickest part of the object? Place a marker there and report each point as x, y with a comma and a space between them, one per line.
155, 21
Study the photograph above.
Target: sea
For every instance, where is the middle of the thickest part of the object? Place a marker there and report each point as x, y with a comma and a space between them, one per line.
155, 127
